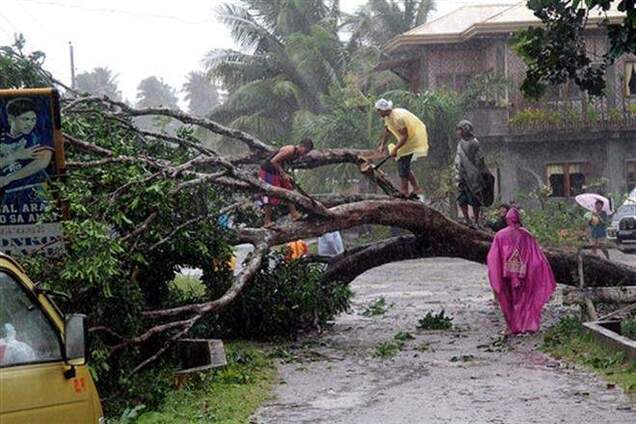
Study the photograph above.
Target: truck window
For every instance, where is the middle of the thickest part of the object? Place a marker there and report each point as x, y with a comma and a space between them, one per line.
26, 336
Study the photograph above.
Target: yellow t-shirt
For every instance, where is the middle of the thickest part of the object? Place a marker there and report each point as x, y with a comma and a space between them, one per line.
417, 141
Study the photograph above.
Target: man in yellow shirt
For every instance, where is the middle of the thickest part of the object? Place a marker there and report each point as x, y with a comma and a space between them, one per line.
412, 141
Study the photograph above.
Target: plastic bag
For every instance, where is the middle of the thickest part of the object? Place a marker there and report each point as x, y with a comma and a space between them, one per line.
330, 244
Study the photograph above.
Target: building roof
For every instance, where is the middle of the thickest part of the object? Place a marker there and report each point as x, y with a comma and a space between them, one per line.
458, 21
469, 21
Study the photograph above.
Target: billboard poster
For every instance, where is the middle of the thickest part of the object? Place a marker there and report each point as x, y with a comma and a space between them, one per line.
31, 157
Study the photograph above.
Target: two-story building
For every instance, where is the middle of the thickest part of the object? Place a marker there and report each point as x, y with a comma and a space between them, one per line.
566, 141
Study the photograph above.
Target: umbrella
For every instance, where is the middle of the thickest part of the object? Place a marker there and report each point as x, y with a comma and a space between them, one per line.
588, 200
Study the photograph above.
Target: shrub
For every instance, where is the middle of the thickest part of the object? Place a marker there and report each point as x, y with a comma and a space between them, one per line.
284, 298
555, 223
560, 334
532, 117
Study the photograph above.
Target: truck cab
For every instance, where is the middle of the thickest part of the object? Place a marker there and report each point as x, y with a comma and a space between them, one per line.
44, 377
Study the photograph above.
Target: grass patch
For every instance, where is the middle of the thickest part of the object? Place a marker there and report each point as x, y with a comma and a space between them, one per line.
377, 307
377, 233
628, 328
568, 340
226, 396
189, 286
438, 321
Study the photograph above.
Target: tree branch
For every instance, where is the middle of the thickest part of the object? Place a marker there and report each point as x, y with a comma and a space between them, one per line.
240, 281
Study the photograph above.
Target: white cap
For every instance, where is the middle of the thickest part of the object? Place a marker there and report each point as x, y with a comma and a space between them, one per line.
384, 104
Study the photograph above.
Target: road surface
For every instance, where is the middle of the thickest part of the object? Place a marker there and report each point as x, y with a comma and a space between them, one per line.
465, 376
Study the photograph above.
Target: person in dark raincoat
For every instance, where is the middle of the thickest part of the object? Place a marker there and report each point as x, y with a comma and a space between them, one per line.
469, 170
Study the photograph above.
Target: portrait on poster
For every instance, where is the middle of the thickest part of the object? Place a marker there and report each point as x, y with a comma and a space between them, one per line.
29, 143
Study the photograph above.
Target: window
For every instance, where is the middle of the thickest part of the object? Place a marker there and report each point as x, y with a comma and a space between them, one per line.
26, 336
630, 79
566, 179
631, 175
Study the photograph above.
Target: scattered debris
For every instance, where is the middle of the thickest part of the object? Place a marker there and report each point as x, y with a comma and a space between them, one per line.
377, 307
423, 347
462, 358
403, 336
389, 349
437, 321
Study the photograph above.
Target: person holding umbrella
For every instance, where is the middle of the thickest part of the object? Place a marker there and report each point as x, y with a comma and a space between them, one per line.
597, 220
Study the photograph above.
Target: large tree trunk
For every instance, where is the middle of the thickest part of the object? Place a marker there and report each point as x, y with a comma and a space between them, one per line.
347, 266
433, 235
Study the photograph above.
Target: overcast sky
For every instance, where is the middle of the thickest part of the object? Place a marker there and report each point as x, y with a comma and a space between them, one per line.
134, 38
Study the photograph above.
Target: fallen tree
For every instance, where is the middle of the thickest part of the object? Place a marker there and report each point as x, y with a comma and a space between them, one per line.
175, 173
433, 234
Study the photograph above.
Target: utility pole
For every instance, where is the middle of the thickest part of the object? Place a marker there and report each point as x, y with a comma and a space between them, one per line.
70, 45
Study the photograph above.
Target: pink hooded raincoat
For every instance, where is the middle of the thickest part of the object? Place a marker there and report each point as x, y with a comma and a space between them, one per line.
520, 276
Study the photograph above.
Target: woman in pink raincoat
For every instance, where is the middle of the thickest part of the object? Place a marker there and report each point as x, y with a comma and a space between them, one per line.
520, 276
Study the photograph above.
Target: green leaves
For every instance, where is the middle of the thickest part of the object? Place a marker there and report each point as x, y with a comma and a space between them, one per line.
378, 21
558, 52
284, 297
19, 69
438, 321
377, 307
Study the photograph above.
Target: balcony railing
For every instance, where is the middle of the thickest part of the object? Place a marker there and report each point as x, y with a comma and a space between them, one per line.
571, 116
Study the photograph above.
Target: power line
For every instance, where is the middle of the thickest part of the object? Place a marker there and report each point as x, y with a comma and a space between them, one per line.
15, 30
4, 31
120, 12
37, 21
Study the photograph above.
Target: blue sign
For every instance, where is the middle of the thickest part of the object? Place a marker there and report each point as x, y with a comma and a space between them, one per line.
31, 155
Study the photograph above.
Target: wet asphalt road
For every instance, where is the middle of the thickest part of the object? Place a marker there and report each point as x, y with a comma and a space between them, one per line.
468, 375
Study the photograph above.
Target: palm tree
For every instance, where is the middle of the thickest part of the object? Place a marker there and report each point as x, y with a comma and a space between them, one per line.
154, 92
290, 55
379, 21
201, 95
99, 82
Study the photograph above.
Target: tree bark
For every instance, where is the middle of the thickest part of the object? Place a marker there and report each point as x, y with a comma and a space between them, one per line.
470, 246
576, 296
434, 235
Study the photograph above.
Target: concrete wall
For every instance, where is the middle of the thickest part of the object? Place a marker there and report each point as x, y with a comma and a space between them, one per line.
522, 163
619, 152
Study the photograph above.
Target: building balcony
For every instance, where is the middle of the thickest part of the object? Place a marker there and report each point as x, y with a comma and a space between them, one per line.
540, 120
565, 117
